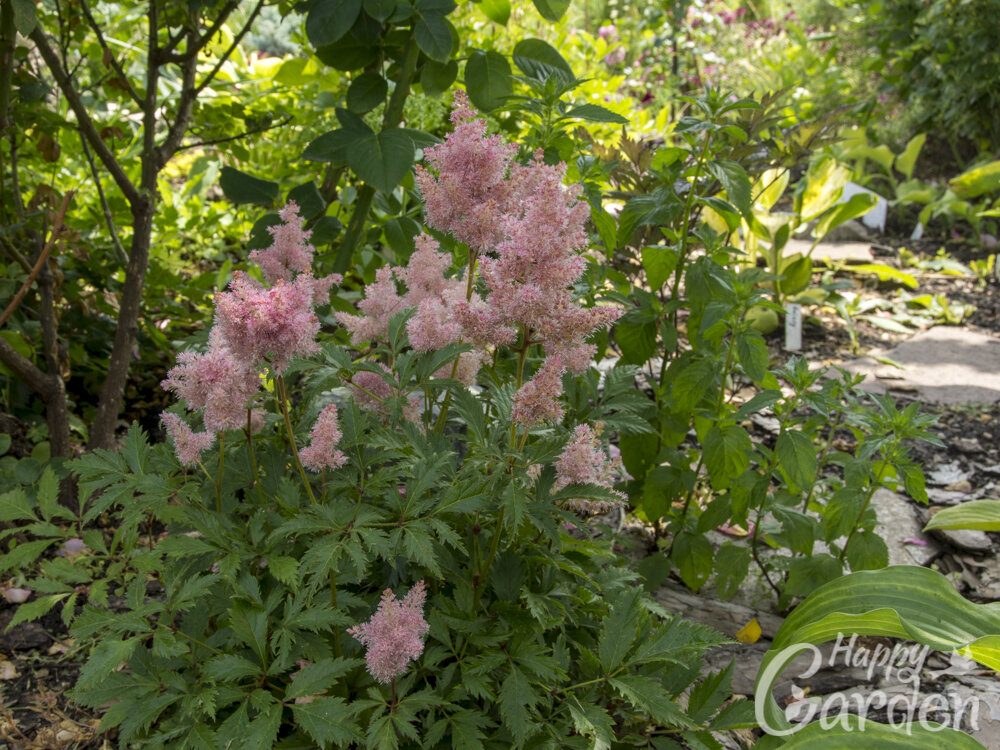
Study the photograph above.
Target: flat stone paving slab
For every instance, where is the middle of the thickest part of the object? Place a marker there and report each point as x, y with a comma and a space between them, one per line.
841, 252
944, 365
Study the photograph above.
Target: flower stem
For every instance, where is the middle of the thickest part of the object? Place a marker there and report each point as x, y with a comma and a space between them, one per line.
253, 458
283, 405
443, 415
218, 483
337, 650
489, 558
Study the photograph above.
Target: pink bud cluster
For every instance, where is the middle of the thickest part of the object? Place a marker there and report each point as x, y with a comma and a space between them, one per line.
257, 326
321, 453
583, 461
395, 634
529, 229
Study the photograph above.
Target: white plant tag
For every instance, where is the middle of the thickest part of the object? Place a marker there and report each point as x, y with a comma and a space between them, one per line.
793, 327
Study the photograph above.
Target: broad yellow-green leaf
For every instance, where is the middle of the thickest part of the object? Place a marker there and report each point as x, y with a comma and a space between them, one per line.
975, 514
900, 601
857, 205
769, 187
887, 273
906, 160
826, 180
978, 181
864, 734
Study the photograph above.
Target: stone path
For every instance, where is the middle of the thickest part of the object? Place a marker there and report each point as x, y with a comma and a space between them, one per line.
943, 365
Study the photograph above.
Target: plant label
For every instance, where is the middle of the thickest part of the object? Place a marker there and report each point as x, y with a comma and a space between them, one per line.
793, 327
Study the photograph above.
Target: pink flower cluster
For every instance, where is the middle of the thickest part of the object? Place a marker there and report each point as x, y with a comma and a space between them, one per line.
395, 634
321, 453
529, 229
257, 326
583, 461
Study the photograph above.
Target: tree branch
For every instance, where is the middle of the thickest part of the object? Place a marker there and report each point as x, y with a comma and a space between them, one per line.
108, 54
244, 134
198, 44
190, 92
236, 41
84, 122
108, 218
42, 257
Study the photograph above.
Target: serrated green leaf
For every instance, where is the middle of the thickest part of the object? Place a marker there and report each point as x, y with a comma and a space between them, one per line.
516, 698
15, 506
327, 720
230, 668
619, 630
315, 678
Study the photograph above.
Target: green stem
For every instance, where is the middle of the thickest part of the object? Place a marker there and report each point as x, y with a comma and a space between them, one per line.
685, 228
443, 416
871, 493
283, 405
366, 193
337, 650
253, 456
822, 457
494, 543
195, 641
218, 483
522, 355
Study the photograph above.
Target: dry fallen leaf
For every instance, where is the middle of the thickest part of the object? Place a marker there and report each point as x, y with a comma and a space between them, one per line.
7, 670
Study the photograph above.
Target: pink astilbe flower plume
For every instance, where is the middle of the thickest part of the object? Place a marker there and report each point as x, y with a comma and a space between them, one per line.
188, 444
395, 634
583, 461
325, 434
217, 382
256, 326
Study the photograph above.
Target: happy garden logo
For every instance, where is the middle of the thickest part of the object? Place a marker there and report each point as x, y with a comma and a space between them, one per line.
899, 669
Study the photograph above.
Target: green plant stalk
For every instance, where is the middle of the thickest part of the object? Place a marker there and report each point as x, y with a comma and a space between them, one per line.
283, 405
822, 457
443, 416
337, 649
871, 493
366, 194
253, 458
222, 463
522, 355
685, 228
494, 543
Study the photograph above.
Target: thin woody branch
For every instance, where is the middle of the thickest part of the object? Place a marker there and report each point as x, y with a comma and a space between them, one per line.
168, 56
244, 134
84, 121
42, 257
109, 54
190, 92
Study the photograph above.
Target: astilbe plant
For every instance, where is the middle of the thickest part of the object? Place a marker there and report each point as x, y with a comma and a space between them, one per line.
261, 609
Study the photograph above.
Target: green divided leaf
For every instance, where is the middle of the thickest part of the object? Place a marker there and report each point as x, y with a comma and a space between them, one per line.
329, 20
619, 630
240, 187
516, 698
497, 11
327, 720
382, 159
15, 506
488, 80
366, 92
595, 113
539, 59
433, 35
320, 676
